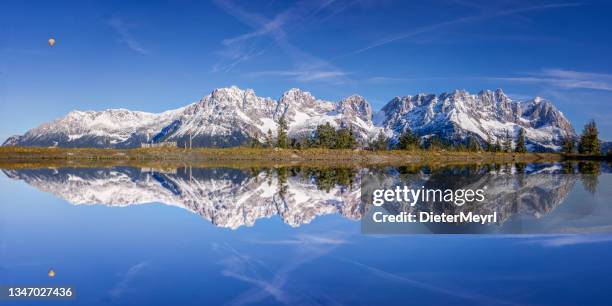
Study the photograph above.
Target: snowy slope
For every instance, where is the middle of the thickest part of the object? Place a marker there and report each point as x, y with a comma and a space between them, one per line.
232, 116
487, 115
108, 128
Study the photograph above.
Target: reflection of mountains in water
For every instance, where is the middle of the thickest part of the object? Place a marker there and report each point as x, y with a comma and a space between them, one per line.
227, 197
535, 192
232, 198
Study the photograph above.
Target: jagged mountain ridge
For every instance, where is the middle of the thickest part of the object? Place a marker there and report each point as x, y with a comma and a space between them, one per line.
232, 116
229, 198
233, 198
488, 115
118, 128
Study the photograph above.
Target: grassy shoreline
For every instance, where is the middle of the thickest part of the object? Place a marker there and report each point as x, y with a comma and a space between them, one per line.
32, 157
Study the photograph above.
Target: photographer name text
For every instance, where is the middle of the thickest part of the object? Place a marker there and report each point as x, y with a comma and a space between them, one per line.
428, 217
404, 194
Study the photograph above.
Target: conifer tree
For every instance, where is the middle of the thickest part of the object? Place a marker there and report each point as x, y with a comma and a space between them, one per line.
520, 142
352, 140
380, 143
507, 143
434, 143
282, 139
345, 139
473, 145
489, 144
407, 140
589, 141
325, 136
269, 141
497, 147
568, 145
255, 142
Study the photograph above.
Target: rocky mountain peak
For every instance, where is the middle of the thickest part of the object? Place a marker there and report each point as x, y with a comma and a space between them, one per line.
227, 96
356, 106
494, 97
500, 93
459, 93
232, 91
300, 103
232, 116
296, 98
541, 113
487, 115
12, 141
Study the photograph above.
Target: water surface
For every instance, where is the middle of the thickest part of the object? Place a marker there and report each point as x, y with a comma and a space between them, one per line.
292, 235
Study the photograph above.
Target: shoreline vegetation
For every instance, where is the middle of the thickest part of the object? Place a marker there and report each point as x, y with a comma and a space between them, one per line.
244, 157
328, 147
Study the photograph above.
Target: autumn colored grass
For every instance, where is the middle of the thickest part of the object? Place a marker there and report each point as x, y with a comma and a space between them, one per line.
26, 157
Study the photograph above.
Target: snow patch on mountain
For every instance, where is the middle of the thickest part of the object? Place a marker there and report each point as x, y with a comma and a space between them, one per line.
488, 115
233, 116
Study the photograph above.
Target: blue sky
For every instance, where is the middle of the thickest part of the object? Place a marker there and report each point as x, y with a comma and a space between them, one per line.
156, 56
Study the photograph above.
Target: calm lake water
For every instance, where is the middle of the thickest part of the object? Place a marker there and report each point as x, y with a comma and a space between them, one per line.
293, 236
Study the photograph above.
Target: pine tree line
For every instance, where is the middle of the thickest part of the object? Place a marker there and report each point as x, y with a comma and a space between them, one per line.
588, 142
408, 141
326, 136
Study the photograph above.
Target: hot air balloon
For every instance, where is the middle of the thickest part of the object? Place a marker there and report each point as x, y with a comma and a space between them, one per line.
51, 273
51, 42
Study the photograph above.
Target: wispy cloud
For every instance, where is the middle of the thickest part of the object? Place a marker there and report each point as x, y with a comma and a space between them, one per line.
568, 79
276, 33
558, 78
281, 25
385, 79
126, 278
454, 292
273, 282
304, 240
458, 21
301, 75
569, 240
125, 36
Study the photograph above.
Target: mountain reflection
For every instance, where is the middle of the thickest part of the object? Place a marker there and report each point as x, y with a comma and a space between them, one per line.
233, 198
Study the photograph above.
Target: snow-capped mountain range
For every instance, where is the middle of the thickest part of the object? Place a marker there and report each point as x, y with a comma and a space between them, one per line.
233, 116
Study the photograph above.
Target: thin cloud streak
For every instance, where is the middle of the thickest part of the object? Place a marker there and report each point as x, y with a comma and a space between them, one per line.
275, 283
125, 36
560, 78
461, 20
422, 285
384, 79
126, 278
279, 26
304, 239
570, 240
303, 75
244, 47
568, 79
